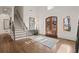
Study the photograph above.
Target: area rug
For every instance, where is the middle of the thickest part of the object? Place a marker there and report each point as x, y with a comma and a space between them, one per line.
49, 42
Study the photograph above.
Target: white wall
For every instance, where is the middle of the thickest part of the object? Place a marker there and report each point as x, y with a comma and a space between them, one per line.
20, 9
29, 11
9, 13
2, 17
41, 25
12, 13
68, 34
41, 12
61, 12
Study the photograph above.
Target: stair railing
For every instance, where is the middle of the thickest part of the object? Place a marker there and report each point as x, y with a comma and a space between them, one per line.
12, 32
20, 19
17, 14
12, 29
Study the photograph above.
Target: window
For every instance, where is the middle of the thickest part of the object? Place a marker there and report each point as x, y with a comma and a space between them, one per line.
31, 23
66, 21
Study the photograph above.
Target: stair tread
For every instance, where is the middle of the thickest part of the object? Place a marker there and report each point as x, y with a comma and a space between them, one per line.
20, 31
19, 36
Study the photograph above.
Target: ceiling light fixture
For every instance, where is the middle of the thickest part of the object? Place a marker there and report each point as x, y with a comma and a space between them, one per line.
50, 7
5, 9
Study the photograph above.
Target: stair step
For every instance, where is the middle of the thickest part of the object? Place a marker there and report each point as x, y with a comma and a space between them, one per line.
19, 31
18, 28
20, 36
17, 34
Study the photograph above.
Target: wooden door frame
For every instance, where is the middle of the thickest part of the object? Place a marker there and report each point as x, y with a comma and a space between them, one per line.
56, 25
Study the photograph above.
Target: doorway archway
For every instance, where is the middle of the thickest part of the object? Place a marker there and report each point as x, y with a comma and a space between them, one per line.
4, 22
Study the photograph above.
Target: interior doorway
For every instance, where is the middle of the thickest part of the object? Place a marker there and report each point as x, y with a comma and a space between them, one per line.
4, 21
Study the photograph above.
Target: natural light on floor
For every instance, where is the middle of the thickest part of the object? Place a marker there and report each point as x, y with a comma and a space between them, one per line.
64, 48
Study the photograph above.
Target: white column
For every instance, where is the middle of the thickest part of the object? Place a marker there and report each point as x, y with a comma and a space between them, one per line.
12, 13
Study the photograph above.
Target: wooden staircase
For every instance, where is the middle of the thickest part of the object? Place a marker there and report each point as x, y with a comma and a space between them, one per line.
20, 28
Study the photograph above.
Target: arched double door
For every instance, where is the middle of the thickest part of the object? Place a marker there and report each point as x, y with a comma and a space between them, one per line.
51, 26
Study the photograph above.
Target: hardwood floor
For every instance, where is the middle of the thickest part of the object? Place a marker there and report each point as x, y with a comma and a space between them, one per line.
7, 45
65, 46
32, 47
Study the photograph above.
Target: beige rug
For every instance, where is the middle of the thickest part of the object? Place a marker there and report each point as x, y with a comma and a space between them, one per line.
44, 40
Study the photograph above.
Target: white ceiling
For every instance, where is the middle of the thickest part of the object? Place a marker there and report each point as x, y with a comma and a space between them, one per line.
58, 9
